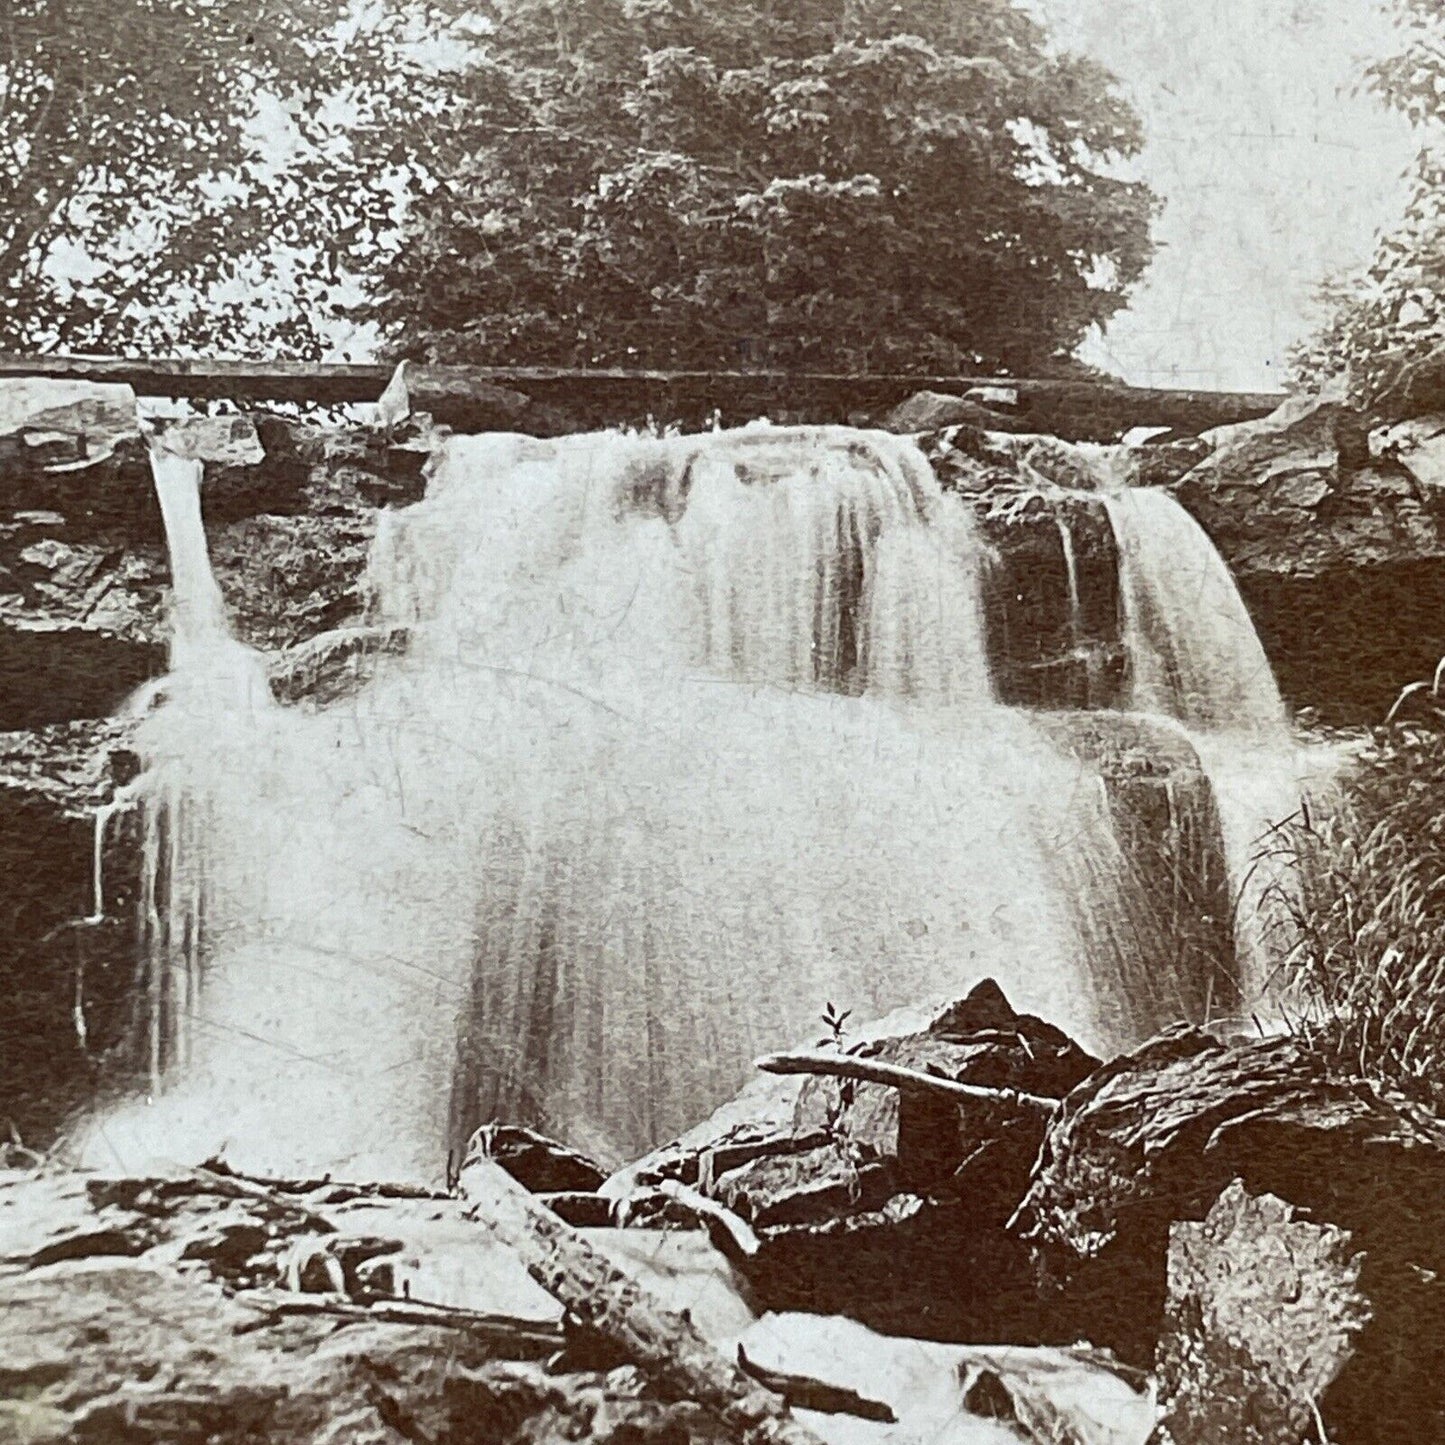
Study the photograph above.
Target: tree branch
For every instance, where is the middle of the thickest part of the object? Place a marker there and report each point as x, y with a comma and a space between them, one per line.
896, 1076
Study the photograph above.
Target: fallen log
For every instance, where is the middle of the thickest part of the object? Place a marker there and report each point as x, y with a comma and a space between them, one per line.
506, 1336
896, 1076
614, 1307
802, 1392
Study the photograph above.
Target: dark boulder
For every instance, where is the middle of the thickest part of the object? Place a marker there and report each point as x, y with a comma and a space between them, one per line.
1150, 1141
890, 1206
537, 1163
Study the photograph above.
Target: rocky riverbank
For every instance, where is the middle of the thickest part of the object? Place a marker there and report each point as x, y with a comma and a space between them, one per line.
957, 1228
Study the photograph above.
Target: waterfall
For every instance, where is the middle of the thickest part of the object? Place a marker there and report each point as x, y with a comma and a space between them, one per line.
1196, 656
691, 736
1195, 652
1071, 574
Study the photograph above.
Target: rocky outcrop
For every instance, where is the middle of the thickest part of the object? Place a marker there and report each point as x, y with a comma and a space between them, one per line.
290, 508
1336, 536
67, 962
204, 1307
1260, 1236
1304, 492
1151, 1141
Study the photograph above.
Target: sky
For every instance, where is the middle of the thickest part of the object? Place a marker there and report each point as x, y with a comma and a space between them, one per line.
1272, 171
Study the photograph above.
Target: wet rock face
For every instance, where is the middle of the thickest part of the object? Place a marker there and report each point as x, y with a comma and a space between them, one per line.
1334, 534
290, 509
1052, 601
1175, 875
1051, 591
66, 975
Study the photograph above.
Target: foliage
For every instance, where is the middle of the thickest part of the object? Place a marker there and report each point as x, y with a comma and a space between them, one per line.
142, 201
1366, 966
846, 184
1386, 332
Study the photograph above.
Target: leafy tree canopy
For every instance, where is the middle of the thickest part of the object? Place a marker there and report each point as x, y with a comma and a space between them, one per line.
143, 200
823, 183
848, 184
1386, 334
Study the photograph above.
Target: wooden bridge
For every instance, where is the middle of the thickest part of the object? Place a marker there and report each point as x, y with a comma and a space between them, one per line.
549, 398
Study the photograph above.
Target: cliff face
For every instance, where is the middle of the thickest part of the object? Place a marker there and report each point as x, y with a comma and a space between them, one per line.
1335, 533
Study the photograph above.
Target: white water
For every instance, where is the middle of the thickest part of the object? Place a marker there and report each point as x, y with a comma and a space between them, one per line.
692, 737
1196, 655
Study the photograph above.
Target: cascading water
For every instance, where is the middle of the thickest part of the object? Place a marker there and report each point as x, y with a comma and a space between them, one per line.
1195, 652
1196, 656
691, 736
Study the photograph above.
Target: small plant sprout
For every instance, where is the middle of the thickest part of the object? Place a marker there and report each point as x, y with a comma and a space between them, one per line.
845, 1091
834, 1022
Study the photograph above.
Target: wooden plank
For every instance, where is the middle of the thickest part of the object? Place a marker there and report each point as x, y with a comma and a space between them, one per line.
483, 394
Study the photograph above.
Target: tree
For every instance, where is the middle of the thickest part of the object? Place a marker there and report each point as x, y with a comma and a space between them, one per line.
850, 184
143, 203
1385, 337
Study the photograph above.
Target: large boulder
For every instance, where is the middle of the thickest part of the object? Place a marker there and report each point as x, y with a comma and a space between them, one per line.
1152, 1140
1299, 493
1336, 536
1263, 1312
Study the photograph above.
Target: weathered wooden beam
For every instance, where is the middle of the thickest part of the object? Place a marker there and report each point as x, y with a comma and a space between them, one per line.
896, 1076
496, 395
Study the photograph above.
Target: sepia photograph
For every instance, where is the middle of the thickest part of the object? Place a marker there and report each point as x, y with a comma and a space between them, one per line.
722, 722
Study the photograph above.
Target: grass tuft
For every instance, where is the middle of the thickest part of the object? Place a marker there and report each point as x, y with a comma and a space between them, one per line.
1362, 920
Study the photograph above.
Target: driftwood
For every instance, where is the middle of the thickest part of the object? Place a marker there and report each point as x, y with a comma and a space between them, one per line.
505, 1336
804, 1393
895, 1076
615, 1308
